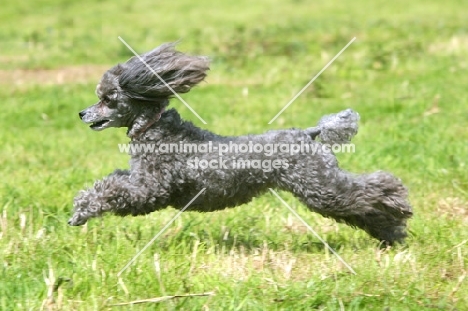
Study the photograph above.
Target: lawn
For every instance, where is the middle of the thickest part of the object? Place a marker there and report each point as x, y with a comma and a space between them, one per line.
406, 74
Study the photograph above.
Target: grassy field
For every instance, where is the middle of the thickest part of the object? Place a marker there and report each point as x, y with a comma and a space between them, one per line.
406, 74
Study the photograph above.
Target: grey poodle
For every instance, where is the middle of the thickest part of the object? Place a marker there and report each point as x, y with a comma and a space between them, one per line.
132, 96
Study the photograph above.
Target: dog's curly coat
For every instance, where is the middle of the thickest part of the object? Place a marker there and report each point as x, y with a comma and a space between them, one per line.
132, 96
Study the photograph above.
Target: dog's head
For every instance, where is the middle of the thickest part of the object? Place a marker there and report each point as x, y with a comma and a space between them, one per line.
136, 92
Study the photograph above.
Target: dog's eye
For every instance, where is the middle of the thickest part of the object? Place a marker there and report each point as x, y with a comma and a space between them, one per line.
110, 103
105, 100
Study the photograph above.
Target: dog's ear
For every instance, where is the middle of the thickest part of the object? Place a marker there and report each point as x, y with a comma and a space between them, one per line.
141, 76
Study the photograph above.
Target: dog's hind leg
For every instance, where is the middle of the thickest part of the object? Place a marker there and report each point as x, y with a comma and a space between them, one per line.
118, 193
376, 203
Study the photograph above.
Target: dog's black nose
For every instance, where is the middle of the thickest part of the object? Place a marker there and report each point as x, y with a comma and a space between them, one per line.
81, 114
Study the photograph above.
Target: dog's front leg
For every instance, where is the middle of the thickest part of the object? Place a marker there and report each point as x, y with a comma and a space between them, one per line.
116, 193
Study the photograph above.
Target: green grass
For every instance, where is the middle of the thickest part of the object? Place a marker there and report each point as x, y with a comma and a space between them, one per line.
406, 75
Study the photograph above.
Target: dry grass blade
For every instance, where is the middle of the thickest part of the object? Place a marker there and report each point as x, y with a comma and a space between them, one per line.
461, 278
458, 245
160, 299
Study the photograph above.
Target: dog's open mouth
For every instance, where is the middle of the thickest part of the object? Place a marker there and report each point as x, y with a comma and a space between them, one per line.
99, 125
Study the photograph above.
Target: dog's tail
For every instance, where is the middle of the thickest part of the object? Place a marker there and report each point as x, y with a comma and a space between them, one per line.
161, 72
338, 128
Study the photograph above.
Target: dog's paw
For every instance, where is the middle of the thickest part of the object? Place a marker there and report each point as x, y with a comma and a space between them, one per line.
77, 220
